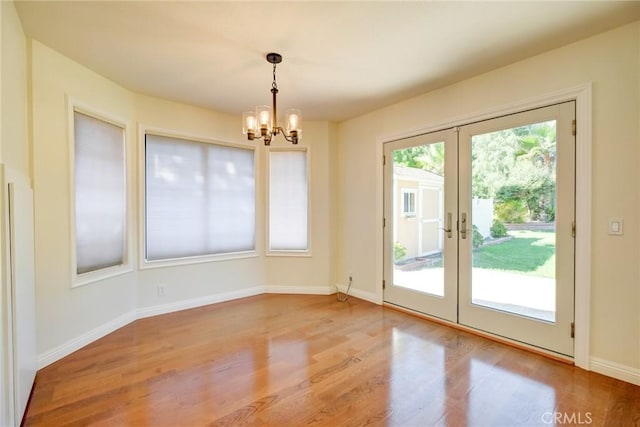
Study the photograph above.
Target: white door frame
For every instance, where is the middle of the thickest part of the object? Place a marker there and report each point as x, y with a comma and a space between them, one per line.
582, 94
552, 335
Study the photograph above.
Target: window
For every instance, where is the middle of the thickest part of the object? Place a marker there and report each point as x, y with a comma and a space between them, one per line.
99, 194
288, 200
408, 202
199, 199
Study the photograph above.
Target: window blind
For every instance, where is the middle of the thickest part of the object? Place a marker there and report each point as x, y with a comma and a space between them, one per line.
288, 201
100, 194
200, 198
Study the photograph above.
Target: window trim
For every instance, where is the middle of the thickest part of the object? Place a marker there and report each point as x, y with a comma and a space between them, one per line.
82, 279
287, 253
143, 263
409, 191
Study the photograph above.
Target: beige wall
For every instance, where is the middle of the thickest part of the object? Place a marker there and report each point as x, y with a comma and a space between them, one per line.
193, 281
314, 270
612, 62
14, 155
67, 313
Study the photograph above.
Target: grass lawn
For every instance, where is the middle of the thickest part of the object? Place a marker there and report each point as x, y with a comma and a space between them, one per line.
530, 252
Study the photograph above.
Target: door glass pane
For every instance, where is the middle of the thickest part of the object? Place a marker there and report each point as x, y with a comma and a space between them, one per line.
418, 218
513, 211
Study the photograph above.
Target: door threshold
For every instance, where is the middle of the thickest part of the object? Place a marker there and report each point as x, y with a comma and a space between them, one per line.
497, 338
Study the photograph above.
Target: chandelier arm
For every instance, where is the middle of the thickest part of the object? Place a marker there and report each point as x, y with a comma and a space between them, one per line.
290, 138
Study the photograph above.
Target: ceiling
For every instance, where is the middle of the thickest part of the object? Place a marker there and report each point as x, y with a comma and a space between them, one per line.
341, 59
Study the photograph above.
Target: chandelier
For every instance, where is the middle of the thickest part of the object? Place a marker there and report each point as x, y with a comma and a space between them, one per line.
263, 122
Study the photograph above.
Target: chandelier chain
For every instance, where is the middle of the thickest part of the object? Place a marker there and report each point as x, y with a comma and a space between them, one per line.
274, 85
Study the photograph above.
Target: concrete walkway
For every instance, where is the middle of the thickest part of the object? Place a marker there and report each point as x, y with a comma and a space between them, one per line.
503, 290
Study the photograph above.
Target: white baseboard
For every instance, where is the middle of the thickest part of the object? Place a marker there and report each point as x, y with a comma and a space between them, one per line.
155, 310
88, 337
601, 366
615, 370
311, 290
367, 296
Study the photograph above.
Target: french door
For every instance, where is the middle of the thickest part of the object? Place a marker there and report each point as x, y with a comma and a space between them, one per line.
479, 225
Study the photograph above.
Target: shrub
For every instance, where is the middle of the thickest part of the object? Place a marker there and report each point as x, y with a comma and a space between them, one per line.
512, 211
399, 252
498, 229
477, 237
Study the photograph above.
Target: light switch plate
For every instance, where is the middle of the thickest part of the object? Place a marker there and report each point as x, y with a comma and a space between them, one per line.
616, 226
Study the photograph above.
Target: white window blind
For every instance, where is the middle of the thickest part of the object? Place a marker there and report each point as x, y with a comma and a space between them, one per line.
100, 194
200, 198
288, 201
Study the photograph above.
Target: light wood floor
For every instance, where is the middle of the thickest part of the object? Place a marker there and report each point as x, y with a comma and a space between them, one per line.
293, 360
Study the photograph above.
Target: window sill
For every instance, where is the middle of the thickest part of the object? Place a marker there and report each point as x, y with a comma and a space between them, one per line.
172, 262
100, 275
298, 254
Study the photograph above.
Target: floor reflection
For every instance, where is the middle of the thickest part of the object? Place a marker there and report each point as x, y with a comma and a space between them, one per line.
309, 360
505, 397
417, 379
445, 381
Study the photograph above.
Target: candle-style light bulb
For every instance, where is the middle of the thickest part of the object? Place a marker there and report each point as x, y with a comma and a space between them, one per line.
249, 124
294, 119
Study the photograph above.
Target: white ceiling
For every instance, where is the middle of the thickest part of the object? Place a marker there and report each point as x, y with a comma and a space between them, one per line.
341, 59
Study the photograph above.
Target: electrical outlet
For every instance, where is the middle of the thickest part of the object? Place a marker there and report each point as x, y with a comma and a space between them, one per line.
161, 289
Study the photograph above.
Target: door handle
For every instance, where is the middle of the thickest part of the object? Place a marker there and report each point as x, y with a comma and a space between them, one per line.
447, 227
463, 225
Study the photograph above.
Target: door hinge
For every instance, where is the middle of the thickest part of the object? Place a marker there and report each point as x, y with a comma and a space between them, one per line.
573, 229
384, 284
384, 160
573, 128
384, 222
573, 330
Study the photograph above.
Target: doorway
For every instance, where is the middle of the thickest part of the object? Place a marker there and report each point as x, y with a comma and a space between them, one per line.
500, 231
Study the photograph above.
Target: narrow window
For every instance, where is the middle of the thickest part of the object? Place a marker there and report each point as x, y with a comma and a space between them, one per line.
200, 198
408, 202
100, 194
288, 200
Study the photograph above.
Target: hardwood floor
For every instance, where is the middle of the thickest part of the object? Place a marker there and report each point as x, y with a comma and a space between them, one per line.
292, 360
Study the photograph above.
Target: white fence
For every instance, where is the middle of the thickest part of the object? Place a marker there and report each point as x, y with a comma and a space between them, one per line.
482, 215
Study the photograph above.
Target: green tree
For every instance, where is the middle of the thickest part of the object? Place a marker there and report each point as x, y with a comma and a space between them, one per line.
433, 158
409, 157
428, 157
492, 159
531, 187
538, 144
